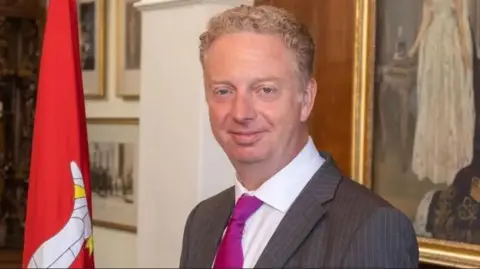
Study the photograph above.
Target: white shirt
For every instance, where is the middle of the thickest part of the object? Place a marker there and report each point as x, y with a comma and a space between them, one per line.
277, 193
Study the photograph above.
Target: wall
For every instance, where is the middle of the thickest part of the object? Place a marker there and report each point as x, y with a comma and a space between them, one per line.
197, 169
176, 132
180, 162
113, 248
332, 23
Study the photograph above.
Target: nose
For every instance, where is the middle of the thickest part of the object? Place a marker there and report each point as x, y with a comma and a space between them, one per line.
243, 109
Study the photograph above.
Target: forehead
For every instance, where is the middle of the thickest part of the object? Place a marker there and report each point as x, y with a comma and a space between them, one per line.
244, 53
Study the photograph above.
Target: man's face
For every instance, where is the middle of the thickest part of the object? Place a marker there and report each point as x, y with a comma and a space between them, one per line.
255, 97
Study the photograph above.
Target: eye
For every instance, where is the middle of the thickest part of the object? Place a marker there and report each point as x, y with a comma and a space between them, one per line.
267, 90
222, 91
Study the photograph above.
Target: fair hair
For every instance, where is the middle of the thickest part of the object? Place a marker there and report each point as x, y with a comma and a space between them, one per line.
263, 19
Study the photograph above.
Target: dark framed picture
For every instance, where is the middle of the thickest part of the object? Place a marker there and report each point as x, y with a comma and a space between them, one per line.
113, 152
91, 18
129, 37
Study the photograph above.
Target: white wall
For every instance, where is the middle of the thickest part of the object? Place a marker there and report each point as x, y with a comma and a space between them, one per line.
113, 248
180, 162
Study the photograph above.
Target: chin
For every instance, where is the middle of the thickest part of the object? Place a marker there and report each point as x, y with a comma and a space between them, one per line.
246, 156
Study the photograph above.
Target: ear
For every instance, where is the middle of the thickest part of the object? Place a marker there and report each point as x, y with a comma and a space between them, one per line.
308, 99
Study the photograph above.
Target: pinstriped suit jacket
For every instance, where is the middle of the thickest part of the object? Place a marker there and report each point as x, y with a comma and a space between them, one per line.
334, 223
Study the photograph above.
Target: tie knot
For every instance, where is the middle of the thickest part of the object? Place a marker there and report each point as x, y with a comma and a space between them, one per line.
245, 207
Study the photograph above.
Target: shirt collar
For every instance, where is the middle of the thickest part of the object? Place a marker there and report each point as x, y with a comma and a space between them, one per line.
281, 190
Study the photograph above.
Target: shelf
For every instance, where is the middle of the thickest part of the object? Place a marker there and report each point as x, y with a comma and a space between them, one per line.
10, 258
27, 13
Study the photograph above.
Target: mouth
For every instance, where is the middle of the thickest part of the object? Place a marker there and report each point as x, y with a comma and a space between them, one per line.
245, 138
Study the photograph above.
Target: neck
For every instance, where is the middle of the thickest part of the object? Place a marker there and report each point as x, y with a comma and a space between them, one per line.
252, 176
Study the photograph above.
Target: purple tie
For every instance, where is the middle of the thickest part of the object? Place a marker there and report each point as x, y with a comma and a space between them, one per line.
230, 253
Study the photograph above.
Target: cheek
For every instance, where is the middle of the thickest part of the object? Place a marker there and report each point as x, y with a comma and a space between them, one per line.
218, 116
281, 115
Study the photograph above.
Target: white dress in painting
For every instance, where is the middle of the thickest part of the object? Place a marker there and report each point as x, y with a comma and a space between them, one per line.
444, 132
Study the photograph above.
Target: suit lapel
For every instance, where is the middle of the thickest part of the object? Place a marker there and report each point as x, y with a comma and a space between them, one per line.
307, 210
210, 233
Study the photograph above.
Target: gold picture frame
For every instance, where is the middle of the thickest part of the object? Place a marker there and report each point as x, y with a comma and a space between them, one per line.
91, 23
434, 251
113, 151
128, 49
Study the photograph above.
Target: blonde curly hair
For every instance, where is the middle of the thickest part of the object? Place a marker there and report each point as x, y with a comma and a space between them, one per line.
263, 19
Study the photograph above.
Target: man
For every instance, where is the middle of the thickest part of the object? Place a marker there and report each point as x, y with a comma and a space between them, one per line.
290, 206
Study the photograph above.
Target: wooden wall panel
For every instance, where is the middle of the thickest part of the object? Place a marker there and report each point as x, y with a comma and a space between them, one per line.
331, 23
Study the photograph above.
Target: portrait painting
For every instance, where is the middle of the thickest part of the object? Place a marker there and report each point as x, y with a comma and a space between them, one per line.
91, 20
128, 48
113, 155
417, 130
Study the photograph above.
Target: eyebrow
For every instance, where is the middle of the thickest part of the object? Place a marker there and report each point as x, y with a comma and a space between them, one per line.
222, 82
254, 81
265, 79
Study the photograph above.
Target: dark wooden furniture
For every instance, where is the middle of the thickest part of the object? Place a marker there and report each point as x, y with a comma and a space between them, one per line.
21, 24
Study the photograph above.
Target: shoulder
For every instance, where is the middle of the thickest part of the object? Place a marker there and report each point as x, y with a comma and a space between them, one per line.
373, 225
351, 192
210, 206
200, 217
365, 223
220, 199
354, 205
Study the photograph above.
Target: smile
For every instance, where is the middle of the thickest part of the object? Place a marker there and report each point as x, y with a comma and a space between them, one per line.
245, 138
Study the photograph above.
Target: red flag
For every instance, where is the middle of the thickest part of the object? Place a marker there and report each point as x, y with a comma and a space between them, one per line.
58, 229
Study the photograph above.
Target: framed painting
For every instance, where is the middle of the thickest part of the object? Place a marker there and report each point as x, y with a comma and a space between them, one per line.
113, 152
416, 138
91, 18
129, 30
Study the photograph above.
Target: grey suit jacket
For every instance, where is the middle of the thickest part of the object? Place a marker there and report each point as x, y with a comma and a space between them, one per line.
334, 223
